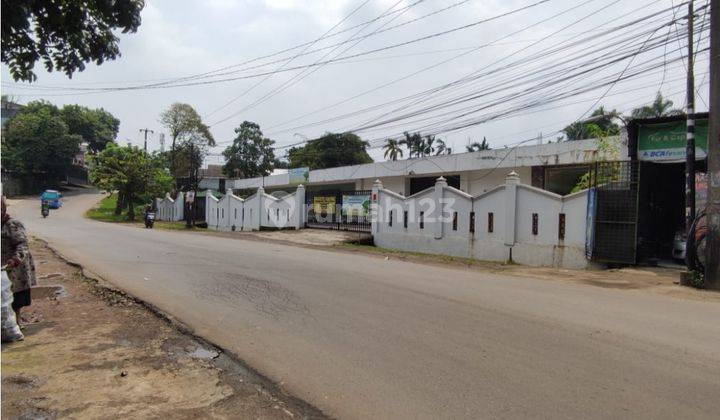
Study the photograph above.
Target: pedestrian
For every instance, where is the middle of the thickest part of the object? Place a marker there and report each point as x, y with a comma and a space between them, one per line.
18, 259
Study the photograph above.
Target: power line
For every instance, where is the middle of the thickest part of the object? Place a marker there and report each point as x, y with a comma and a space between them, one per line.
246, 91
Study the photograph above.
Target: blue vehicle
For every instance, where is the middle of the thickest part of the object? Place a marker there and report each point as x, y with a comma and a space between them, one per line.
53, 198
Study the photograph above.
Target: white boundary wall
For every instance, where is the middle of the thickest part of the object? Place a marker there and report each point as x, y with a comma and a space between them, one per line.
168, 209
439, 221
259, 210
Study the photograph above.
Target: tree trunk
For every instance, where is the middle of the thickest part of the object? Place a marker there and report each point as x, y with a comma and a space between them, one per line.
131, 208
119, 204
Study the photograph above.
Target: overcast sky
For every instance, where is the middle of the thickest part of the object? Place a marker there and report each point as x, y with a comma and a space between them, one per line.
181, 38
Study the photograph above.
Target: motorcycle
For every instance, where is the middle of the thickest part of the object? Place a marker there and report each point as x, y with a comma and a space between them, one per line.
45, 209
149, 219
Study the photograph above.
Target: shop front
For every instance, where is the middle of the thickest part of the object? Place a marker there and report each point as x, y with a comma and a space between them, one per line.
658, 146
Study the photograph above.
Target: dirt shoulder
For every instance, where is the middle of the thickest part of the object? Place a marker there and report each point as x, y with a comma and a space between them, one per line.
93, 352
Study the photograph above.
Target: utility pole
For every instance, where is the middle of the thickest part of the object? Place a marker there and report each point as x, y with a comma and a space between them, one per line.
145, 130
712, 260
690, 147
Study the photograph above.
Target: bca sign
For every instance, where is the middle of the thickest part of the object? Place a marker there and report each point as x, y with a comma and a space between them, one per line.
665, 142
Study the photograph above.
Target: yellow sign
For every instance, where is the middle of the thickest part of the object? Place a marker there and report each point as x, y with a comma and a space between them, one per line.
324, 205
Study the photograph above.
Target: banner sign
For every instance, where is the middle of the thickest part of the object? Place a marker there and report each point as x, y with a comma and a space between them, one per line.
299, 176
324, 205
666, 142
355, 205
590, 223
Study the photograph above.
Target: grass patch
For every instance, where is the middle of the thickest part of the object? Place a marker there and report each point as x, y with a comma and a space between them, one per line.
105, 212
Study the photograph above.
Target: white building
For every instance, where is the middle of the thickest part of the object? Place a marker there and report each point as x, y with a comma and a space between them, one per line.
552, 166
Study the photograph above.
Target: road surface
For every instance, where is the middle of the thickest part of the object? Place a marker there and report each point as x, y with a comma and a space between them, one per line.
359, 336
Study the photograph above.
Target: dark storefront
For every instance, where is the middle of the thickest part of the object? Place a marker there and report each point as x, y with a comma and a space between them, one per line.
658, 147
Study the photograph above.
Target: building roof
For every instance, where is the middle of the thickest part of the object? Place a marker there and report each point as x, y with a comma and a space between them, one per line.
566, 152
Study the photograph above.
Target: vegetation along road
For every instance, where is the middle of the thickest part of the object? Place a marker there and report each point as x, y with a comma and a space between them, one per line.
359, 336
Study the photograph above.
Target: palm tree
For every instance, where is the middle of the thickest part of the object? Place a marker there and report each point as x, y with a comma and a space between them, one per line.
476, 147
661, 107
427, 145
441, 148
414, 144
393, 149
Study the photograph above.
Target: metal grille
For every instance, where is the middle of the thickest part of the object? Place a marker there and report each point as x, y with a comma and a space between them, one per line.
342, 216
616, 188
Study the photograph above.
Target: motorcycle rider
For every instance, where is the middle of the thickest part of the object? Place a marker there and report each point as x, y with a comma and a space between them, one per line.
44, 208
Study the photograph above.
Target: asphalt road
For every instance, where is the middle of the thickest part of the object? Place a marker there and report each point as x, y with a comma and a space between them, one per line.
362, 337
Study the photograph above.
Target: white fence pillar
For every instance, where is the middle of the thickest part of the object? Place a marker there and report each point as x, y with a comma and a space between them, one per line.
208, 193
300, 210
375, 206
261, 207
511, 183
440, 185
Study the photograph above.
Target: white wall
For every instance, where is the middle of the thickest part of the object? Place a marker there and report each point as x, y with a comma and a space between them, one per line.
168, 209
512, 206
259, 210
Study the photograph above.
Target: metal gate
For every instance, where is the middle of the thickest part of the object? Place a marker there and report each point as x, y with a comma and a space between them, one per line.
340, 210
613, 212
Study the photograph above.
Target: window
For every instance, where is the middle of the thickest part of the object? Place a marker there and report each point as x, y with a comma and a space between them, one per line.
422, 220
491, 222
405, 219
561, 226
472, 222
534, 223
455, 221
390, 218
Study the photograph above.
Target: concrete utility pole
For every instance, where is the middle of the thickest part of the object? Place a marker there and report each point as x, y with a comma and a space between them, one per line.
712, 261
690, 147
146, 131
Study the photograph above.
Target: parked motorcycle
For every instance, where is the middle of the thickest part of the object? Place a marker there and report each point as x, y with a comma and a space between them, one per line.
149, 219
45, 209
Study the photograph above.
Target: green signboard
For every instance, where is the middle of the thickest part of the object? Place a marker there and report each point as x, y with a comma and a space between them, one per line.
299, 176
666, 141
356, 205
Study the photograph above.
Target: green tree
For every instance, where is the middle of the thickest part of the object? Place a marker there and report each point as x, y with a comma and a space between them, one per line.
600, 118
64, 35
188, 130
251, 154
330, 151
39, 142
427, 147
131, 172
414, 143
392, 149
96, 126
608, 148
441, 148
476, 147
661, 107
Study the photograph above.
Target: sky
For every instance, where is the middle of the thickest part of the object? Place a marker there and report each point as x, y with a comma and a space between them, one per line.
382, 81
